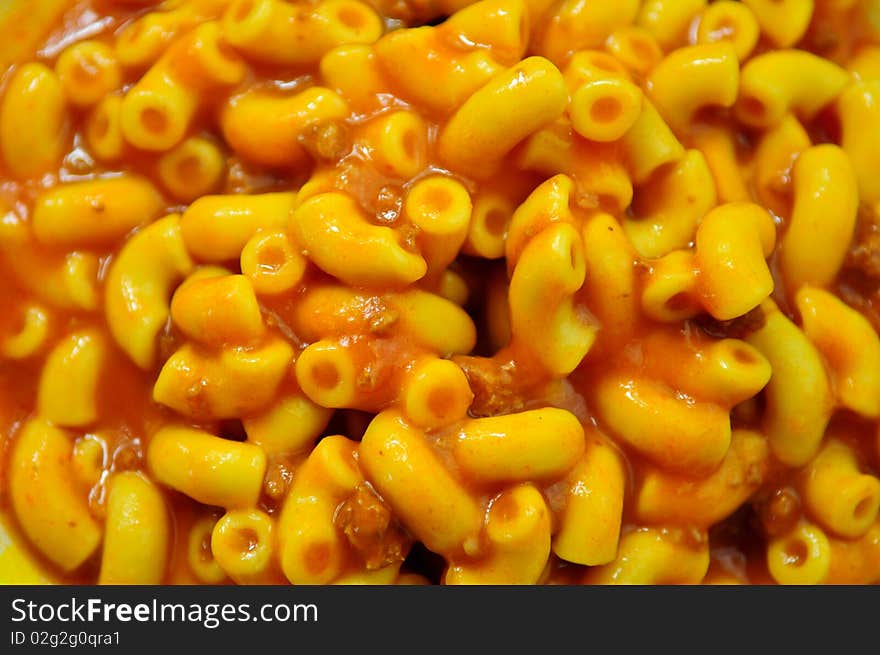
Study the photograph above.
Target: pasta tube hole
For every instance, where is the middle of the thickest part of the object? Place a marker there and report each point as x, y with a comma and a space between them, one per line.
744, 356
441, 401
189, 169
795, 553
316, 557
505, 509
244, 540
437, 199
325, 375
271, 258
154, 120
351, 17
606, 109
753, 108
865, 507
496, 221
86, 69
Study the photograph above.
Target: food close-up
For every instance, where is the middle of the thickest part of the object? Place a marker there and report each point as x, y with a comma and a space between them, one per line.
414, 292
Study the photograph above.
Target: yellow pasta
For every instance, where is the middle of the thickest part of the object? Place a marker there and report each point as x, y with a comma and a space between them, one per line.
495, 118
281, 33
232, 382
655, 556
799, 399
803, 556
378, 292
341, 242
272, 263
243, 544
33, 123
137, 537
210, 469
218, 310
103, 129
665, 427
543, 315
265, 127
732, 243
670, 292
96, 212
32, 336
200, 557
157, 111
417, 485
216, 228
589, 528
668, 20
681, 500
52, 512
88, 70
68, 392
192, 169
849, 345
735, 22
436, 394
290, 425
312, 550
842, 498
824, 212
784, 23
605, 109
440, 208
518, 531
670, 206
857, 106
649, 144
139, 287
533, 445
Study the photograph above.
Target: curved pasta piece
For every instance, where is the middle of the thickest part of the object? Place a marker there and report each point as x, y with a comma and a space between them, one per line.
229, 383
340, 241
667, 499
532, 445
589, 525
139, 286
691, 78
823, 219
207, 468
673, 431
799, 400
848, 343
431, 502
68, 391
312, 550
138, 535
545, 319
732, 244
518, 531
52, 511
655, 556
